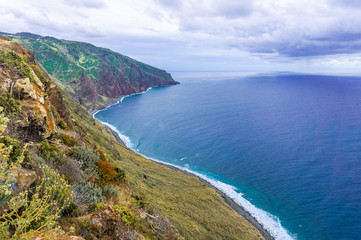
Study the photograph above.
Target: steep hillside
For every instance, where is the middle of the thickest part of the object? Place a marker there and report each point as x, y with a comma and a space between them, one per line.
63, 174
91, 75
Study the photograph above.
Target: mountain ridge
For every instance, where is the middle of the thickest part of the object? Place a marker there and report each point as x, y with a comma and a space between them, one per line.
91, 75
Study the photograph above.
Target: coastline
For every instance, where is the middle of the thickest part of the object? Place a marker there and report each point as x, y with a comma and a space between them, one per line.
236, 207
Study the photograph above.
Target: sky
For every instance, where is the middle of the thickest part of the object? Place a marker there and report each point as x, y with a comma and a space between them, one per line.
205, 35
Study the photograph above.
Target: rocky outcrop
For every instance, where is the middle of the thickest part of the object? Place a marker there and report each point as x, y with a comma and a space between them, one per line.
35, 121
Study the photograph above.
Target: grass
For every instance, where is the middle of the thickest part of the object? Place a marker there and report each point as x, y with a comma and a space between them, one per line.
193, 208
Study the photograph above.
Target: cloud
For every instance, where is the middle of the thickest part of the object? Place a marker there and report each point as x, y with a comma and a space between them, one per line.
174, 4
269, 31
85, 3
346, 3
288, 28
233, 9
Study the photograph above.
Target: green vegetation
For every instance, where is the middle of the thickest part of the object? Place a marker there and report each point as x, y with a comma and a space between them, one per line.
31, 211
12, 59
98, 206
87, 157
110, 191
86, 193
10, 105
67, 140
62, 124
15, 147
127, 216
50, 152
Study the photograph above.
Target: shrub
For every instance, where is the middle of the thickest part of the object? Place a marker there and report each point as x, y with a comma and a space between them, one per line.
85, 193
110, 191
71, 168
11, 107
101, 154
7, 180
15, 148
67, 140
142, 202
87, 157
121, 176
24, 70
3, 121
127, 216
11, 59
106, 171
33, 160
30, 212
50, 152
62, 124
98, 206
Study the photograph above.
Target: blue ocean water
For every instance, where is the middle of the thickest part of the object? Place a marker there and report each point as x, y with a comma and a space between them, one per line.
288, 147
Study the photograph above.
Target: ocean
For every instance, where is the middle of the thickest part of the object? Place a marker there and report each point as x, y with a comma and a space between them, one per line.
287, 147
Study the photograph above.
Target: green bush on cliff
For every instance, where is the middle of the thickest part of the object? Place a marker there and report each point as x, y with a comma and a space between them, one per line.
15, 148
62, 124
141, 200
7, 180
98, 206
67, 140
12, 59
10, 105
85, 193
50, 152
121, 176
127, 216
87, 157
31, 212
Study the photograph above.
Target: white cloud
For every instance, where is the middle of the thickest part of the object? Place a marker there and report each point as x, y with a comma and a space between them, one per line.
268, 31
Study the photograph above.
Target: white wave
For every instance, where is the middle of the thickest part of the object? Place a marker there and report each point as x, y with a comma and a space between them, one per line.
270, 222
133, 94
117, 102
123, 137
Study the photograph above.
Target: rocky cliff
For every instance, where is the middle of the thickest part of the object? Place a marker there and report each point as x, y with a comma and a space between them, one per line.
20, 79
91, 75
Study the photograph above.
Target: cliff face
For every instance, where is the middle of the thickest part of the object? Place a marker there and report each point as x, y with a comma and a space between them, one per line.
19, 82
91, 75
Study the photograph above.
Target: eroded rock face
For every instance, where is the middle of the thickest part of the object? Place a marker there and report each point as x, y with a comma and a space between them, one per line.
36, 121
23, 89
